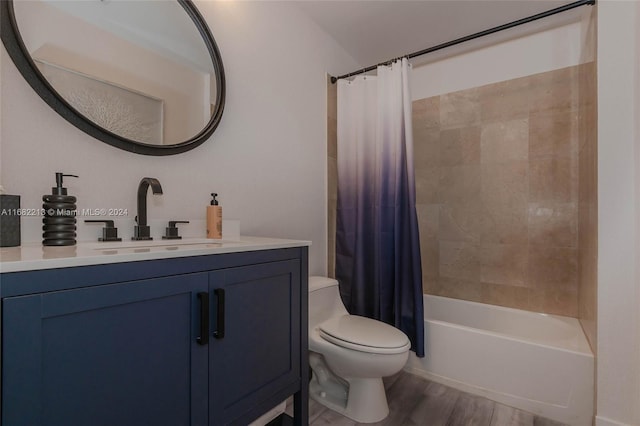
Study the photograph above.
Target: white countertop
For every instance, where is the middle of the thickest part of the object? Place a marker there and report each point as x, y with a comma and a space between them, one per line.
35, 256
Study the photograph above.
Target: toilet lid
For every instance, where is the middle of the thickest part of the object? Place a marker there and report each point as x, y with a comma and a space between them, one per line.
364, 334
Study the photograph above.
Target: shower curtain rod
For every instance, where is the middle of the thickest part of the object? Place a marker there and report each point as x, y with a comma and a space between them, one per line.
474, 36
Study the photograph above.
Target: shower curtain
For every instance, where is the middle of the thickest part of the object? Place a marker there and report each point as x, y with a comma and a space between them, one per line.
377, 240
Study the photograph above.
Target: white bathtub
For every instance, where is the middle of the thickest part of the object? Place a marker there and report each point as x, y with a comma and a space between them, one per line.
535, 362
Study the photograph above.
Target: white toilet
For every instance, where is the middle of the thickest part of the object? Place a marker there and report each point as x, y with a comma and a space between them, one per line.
350, 354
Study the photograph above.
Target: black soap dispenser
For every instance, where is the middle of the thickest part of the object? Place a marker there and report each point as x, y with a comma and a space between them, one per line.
59, 221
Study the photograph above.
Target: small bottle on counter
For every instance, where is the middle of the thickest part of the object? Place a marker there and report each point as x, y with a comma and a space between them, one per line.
214, 219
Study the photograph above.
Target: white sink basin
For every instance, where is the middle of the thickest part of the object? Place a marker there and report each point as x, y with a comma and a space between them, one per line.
166, 244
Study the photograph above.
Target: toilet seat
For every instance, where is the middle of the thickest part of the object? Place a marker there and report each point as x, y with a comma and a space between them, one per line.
364, 335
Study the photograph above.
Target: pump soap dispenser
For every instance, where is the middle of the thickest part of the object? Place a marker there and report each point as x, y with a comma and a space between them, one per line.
214, 219
59, 221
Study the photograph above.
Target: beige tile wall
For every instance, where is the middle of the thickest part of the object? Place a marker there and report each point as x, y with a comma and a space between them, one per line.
497, 172
503, 219
588, 202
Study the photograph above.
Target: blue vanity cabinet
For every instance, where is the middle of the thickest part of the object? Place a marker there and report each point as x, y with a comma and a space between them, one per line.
260, 334
127, 343
121, 354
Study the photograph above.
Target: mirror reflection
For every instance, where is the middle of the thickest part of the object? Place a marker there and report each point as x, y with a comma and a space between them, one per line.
139, 69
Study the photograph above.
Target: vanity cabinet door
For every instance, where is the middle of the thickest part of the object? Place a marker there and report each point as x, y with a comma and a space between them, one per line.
119, 354
255, 354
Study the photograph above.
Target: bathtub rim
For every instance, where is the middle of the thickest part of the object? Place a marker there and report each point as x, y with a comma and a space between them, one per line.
587, 351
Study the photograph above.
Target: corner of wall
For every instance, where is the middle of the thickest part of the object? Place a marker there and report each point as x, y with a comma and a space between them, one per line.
332, 174
618, 206
637, 145
589, 34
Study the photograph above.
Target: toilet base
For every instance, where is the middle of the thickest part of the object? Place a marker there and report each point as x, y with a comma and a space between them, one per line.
367, 401
362, 400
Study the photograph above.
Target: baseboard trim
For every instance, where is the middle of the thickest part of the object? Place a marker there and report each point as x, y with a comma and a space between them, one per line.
603, 421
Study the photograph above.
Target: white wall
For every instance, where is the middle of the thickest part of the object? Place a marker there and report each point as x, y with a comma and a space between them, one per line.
516, 56
267, 159
618, 212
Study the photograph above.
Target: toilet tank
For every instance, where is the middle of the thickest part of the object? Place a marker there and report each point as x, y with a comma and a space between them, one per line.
324, 300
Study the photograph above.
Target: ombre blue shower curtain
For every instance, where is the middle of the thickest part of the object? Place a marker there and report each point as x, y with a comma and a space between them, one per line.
377, 240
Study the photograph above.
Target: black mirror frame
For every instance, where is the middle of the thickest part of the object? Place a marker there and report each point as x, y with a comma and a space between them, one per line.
17, 51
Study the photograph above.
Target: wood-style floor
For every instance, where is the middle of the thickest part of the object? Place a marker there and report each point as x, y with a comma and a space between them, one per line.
415, 401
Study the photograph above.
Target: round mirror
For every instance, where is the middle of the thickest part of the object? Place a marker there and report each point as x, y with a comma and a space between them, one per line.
144, 76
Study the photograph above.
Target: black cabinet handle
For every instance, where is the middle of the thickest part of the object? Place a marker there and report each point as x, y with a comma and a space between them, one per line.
203, 338
219, 333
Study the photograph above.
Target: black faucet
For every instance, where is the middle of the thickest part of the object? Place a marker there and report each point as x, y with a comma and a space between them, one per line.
142, 231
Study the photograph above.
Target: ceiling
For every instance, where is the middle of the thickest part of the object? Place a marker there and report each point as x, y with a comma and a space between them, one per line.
371, 31
374, 31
